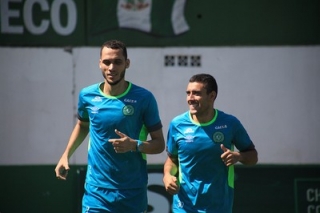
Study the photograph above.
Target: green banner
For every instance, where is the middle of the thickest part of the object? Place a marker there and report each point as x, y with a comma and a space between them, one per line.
159, 23
42, 22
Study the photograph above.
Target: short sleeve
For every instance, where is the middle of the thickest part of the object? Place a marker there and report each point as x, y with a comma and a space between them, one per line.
241, 138
151, 115
171, 146
82, 111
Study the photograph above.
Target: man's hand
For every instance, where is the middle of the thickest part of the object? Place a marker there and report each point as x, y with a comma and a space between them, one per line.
171, 184
123, 144
62, 168
229, 157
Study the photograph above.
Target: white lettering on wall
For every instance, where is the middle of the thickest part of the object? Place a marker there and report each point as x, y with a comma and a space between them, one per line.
28, 20
313, 195
313, 209
8, 14
72, 17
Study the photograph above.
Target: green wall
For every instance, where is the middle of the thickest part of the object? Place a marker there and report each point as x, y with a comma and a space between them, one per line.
262, 188
211, 23
233, 23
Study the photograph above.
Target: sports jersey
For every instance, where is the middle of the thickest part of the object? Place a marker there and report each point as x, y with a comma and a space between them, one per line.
206, 183
134, 113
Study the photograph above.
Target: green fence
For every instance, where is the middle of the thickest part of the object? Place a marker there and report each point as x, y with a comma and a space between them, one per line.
206, 23
258, 189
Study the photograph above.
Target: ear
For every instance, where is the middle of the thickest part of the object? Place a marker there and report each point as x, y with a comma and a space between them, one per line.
100, 63
127, 63
213, 95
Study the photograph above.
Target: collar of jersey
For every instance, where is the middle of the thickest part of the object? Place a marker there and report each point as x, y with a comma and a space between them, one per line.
118, 96
209, 122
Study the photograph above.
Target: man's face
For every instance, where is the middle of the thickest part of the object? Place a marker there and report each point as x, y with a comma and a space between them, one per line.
113, 65
198, 100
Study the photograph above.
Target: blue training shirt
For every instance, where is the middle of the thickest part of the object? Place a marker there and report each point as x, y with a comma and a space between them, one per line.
206, 184
134, 113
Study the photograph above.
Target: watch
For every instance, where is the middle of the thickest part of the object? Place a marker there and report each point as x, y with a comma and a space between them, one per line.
139, 143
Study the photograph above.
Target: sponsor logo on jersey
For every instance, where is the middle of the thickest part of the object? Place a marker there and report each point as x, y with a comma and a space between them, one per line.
218, 137
128, 110
130, 100
221, 127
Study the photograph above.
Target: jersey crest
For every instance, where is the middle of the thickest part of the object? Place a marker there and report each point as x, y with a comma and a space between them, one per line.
128, 110
218, 137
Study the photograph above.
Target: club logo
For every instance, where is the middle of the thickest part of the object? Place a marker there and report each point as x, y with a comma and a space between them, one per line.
128, 110
96, 99
94, 110
189, 138
218, 137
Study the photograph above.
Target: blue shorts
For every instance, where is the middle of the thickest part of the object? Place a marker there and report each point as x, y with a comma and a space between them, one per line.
101, 200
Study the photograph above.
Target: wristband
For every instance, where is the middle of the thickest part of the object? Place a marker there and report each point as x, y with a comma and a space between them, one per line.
139, 143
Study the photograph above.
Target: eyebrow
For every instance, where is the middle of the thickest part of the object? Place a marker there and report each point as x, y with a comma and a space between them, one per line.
193, 91
117, 60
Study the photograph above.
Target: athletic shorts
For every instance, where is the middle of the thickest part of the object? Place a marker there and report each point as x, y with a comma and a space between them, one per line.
101, 200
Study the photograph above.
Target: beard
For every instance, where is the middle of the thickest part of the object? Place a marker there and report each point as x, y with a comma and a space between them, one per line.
113, 83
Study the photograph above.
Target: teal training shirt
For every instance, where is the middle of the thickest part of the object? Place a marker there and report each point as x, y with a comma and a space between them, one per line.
206, 184
134, 113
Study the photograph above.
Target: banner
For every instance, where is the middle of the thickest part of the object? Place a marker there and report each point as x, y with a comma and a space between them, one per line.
42, 22
159, 23
159, 18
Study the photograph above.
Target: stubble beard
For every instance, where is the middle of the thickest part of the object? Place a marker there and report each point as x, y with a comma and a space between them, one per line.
114, 82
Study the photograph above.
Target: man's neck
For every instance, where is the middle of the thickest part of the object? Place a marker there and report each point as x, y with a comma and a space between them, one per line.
114, 90
204, 117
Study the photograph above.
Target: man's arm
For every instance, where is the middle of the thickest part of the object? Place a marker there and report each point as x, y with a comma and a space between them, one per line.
170, 171
78, 135
126, 144
155, 145
247, 157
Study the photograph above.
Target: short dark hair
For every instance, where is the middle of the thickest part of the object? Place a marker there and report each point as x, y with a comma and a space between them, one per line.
115, 44
209, 82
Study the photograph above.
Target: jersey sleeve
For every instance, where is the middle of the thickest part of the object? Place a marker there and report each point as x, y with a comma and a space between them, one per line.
241, 138
82, 111
151, 115
171, 146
